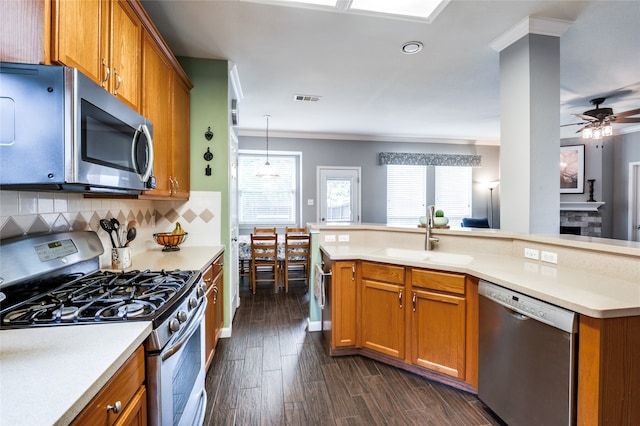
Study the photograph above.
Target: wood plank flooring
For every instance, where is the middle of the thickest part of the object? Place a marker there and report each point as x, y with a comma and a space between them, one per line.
273, 372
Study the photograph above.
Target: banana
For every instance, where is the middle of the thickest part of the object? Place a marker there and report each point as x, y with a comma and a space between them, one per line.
178, 229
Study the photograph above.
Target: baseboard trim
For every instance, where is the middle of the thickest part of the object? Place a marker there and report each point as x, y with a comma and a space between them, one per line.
314, 325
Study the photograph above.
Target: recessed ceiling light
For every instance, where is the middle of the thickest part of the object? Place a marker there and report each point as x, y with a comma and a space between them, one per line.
411, 47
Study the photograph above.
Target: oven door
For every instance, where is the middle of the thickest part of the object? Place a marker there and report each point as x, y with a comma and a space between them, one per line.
176, 377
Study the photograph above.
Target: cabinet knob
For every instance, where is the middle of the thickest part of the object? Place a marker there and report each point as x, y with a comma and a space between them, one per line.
115, 407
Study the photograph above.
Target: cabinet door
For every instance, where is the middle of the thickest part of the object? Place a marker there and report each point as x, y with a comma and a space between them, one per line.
210, 315
438, 332
181, 151
156, 77
136, 412
80, 37
218, 301
126, 38
383, 318
343, 300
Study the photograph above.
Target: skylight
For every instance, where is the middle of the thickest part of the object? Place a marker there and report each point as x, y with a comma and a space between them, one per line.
413, 9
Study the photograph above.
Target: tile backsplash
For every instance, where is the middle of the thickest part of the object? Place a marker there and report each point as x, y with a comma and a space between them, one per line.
23, 213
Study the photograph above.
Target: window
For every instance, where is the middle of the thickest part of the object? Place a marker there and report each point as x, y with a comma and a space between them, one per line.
408, 189
406, 194
453, 193
273, 201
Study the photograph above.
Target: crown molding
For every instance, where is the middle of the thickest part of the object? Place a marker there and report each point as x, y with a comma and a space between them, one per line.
372, 138
530, 25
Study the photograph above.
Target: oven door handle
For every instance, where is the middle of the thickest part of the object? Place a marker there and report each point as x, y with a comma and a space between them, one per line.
193, 326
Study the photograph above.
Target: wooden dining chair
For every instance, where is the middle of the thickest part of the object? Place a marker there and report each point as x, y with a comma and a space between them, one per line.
264, 231
297, 254
264, 260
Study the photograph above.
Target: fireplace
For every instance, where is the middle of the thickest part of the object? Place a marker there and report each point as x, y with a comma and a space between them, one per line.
586, 223
573, 230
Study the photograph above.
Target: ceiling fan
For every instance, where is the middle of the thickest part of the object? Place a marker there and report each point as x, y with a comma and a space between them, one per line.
597, 122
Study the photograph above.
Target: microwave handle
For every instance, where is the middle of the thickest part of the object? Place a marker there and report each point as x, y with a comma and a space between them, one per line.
147, 173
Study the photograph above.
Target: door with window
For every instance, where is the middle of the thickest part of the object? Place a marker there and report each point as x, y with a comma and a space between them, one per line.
339, 194
634, 201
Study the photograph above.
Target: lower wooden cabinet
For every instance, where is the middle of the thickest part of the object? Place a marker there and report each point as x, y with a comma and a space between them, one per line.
123, 400
383, 309
343, 300
214, 316
416, 318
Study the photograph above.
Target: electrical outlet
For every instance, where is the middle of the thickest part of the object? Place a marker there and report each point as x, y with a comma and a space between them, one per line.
531, 253
550, 257
343, 238
310, 202
329, 238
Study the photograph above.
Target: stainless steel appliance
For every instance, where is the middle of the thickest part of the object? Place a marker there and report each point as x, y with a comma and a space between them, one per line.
61, 131
54, 280
527, 354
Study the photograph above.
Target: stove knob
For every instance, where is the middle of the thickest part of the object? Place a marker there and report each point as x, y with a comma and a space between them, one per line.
200, 291
174, 325
182, 316
193, 303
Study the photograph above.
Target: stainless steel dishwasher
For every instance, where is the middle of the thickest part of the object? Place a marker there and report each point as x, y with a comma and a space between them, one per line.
527, 353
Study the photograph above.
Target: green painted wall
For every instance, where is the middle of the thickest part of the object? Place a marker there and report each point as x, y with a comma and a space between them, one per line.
209, 108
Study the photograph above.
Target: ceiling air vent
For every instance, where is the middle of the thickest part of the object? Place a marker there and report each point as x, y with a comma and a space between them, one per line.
306, 98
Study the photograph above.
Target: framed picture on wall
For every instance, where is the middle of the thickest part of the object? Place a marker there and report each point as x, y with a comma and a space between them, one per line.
572, 169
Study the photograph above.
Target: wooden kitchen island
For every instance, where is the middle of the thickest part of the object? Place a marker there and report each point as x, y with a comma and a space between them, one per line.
382, 276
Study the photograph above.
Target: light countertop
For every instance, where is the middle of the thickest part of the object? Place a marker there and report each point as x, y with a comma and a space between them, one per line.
49, 374
584, 292
187, 258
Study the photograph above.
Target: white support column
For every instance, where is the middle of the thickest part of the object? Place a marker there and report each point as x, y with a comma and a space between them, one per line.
530, 126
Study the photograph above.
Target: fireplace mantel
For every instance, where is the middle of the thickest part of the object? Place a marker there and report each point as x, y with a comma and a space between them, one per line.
580, 206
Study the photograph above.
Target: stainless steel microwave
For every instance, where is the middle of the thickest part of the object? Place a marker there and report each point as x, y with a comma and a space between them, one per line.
61, 131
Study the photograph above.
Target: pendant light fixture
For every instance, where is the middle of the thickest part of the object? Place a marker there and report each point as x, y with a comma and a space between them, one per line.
267, 170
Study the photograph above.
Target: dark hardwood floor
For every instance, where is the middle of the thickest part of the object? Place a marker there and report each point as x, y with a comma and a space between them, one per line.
273, 372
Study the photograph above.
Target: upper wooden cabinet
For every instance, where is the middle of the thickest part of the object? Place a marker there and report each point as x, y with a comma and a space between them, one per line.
166, 102
102, 38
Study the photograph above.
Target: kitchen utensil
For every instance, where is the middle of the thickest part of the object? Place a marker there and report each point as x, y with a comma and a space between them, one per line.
116, 227
131, 235
108, 226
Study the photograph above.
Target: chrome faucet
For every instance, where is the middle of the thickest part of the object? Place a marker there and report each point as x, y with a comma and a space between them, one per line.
428, 239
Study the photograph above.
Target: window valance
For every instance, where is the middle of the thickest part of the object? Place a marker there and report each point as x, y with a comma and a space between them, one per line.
419, 159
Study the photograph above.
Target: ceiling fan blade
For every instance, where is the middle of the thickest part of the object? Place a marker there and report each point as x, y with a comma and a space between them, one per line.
627, 113
628, 120
582, 128
586, 117
573, 124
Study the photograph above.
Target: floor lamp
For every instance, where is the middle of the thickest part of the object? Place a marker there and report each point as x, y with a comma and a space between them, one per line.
491, 186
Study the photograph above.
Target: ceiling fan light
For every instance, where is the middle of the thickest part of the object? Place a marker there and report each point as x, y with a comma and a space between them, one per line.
607, 130
597, 133
587, 133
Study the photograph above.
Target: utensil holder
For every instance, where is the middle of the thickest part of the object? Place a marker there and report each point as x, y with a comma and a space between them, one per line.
121, 258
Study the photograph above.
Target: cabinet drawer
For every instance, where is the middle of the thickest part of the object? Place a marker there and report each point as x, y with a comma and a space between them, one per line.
439, 281
122, 388
382, 272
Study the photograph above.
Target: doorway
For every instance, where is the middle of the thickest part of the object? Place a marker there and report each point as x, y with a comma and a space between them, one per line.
338, 194
634, 202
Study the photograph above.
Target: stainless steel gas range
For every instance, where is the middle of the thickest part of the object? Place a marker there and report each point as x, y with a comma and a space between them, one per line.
54, 280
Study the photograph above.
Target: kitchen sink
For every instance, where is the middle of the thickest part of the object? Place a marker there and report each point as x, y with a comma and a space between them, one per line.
425, 256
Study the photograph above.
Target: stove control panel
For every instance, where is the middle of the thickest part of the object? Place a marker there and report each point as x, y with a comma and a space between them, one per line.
55, 250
